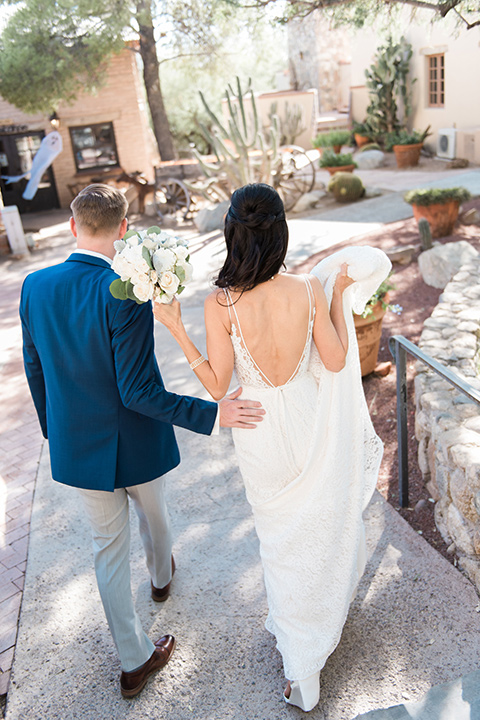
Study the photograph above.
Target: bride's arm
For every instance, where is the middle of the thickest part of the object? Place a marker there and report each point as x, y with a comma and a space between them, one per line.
330, 331
215, 372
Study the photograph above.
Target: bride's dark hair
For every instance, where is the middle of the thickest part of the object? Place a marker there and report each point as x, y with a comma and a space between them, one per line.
256, 235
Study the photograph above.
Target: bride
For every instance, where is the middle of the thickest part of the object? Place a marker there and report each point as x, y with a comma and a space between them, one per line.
310, 467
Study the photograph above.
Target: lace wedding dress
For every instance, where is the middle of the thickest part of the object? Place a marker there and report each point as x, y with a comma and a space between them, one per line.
309, 470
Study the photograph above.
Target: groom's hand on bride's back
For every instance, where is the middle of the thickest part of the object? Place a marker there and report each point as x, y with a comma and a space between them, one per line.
240, 413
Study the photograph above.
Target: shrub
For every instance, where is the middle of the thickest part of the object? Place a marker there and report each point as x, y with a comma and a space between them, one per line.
404, 137
435, 196
331, 138
362, 129
332, 159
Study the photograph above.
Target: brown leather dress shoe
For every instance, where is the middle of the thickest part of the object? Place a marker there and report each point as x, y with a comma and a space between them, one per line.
161, 594
131, 683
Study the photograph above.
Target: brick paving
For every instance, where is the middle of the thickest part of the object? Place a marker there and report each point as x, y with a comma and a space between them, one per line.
20, 436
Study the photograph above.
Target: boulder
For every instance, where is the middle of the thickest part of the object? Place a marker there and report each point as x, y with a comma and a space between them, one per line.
402, 255
308, 201
369, 159
470, 217
439, 264
211, 218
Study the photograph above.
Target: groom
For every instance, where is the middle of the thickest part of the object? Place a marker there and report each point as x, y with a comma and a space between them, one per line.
102, 404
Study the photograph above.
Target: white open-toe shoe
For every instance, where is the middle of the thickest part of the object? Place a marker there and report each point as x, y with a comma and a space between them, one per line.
305, 694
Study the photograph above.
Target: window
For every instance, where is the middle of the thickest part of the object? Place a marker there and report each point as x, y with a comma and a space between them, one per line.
436, 80
94, 146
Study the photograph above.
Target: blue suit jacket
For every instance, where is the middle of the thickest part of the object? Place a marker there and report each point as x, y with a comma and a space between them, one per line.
96, 386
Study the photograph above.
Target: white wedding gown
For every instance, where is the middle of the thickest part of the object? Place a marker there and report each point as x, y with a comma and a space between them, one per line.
309, 470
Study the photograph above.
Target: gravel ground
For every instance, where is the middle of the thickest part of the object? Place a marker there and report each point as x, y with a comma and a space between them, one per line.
418, 301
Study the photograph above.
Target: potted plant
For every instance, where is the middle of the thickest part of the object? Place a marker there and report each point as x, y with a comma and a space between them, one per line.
439, 206
368, 325
406, 145
362, 134
335, 162
332, 139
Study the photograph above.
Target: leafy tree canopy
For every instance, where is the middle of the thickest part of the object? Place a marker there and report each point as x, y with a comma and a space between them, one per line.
361, 12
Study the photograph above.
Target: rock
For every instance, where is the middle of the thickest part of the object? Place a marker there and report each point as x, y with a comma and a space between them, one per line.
369, 159
458, 163
211, 218
402, 255
371, 192
470, 217
319, 185
420, 505
439, 264
308, 201
382, 369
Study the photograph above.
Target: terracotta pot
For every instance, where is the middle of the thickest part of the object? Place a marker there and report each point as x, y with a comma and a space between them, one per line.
337, 148
340, 168
369, 332
441, 216
407, 155
362, 140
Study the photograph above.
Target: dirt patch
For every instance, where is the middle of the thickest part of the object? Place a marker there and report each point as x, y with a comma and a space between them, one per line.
418, 301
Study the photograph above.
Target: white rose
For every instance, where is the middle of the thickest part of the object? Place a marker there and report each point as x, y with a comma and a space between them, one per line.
122, 267
119, 245
181, 252
165, 299
169, 282
149, 243
138, 277
153, 276
143, 290
132, 241
188, 272
135, 257
163, 260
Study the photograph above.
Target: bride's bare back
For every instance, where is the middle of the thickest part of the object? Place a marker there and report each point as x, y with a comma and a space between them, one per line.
274, 319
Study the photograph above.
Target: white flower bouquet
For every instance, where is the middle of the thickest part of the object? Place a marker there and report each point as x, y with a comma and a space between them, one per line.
152, 264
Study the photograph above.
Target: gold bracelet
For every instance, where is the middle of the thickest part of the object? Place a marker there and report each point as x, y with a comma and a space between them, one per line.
200, 359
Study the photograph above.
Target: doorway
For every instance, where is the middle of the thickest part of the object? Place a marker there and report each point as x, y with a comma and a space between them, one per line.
16, 156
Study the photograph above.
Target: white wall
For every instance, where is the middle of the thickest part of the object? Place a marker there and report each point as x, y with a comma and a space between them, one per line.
462, 75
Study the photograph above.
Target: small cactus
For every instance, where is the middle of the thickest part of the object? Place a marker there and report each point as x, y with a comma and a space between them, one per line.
346, 187
425, 234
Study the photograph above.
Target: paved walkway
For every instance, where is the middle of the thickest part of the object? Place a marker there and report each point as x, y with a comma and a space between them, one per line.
62, 609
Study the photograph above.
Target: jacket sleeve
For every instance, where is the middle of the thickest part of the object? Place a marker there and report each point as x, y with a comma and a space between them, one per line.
138, 379
34, 371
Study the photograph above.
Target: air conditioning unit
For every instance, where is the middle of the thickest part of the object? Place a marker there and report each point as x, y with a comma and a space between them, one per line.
446, 143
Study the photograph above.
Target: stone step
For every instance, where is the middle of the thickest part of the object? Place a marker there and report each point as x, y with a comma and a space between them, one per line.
455, 700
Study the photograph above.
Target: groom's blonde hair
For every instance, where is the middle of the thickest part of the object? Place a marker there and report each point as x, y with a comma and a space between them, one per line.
99, 208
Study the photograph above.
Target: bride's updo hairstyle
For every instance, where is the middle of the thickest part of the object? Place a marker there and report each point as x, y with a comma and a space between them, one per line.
256, 235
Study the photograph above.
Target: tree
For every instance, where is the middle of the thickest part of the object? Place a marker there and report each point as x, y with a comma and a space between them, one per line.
52, 50
359, 12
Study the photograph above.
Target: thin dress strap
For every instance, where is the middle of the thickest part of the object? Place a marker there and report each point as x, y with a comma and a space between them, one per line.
228, 298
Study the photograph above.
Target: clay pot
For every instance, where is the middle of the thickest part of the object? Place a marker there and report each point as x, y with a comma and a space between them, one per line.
407, 155
441, 216
337, 148
361, 140
340, 168
369, 332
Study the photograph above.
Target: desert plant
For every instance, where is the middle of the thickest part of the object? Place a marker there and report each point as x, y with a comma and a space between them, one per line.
405, 137
291, 123
346, 187
232, 143
380, 296
333, 138
362, 129
369, 146
333, 159
387, 83
436, 196
425, 234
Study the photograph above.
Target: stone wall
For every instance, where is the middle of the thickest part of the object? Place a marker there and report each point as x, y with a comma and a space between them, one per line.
448, 422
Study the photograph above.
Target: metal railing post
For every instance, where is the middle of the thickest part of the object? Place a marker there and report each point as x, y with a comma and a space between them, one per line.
402, 429
399, 347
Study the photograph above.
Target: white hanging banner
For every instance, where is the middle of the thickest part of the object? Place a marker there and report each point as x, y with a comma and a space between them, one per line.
50, 147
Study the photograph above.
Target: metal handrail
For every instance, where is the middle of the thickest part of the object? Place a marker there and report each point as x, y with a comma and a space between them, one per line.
399, 347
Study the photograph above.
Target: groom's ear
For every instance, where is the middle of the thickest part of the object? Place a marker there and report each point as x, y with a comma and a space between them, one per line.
73, 227
123, 228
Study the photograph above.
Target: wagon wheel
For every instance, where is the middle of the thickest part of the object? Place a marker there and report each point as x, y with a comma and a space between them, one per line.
171, 195
295, 174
